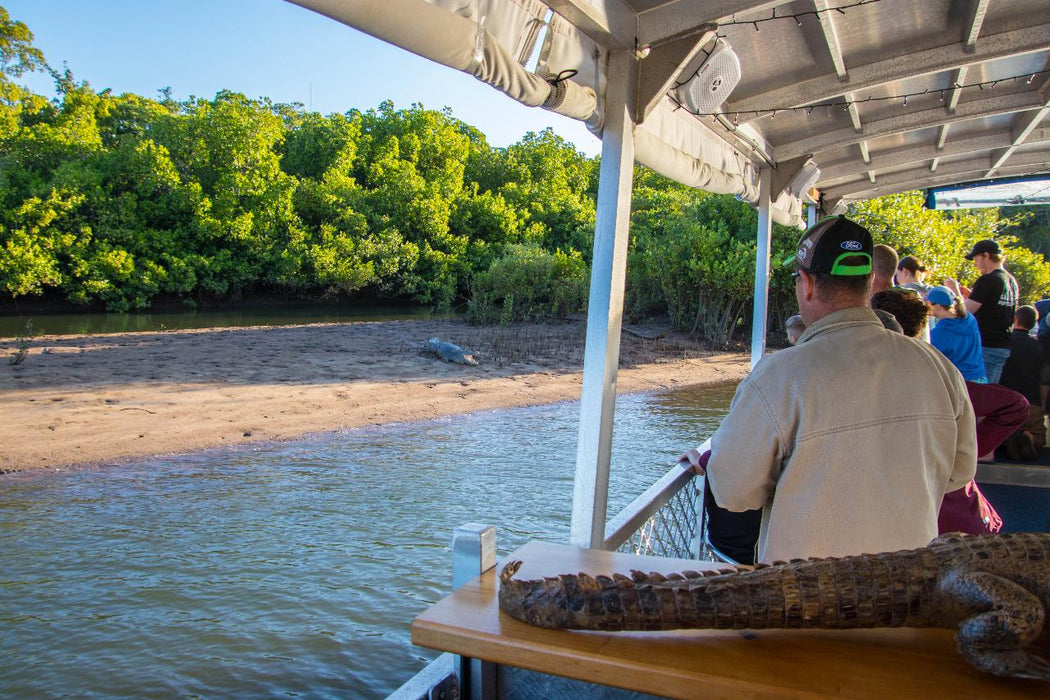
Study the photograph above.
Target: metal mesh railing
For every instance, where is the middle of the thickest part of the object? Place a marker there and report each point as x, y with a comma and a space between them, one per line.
668, 520
673, 531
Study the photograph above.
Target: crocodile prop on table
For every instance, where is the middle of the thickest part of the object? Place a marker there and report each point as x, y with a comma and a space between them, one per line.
995, 589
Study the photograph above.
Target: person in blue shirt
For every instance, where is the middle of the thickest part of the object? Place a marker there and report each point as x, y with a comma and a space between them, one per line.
956, 334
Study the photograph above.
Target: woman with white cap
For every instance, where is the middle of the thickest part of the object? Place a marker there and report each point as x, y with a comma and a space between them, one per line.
956, 334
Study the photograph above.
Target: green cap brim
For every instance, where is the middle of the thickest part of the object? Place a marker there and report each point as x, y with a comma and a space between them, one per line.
840, 270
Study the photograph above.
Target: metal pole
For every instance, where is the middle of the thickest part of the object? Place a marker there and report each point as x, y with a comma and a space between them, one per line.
604, 311
765, 233
473, 553
811, 215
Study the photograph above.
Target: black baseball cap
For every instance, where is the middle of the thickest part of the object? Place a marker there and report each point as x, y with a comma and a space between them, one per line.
985, 246
834, 246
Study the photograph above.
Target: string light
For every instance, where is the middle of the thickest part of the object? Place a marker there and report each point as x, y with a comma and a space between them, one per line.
846, 104
797, 16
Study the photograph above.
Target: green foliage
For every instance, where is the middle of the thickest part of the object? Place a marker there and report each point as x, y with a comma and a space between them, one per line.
34, 240
118, 200
17, 57
529, 283
941, 238
1031, 225
692, 257
549, 183
17, 53
319, 144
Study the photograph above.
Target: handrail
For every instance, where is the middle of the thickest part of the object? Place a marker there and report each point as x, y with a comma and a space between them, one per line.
631, 518
645, 506
435, 680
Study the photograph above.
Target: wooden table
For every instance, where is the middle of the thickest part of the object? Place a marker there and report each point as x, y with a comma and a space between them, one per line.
703, 663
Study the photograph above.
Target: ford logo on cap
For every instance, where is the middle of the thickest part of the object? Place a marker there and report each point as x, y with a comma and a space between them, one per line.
852, 245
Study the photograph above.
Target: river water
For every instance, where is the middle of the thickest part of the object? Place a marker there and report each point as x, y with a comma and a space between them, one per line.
272, 314
291, 568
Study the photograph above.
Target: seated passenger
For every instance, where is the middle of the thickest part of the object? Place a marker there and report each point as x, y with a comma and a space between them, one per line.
956, 334
906, 306
999, 412
883, 266
1023, 372
806, 434
794, 327
910, 275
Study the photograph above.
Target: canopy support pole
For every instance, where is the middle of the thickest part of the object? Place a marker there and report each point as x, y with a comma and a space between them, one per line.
604, 310
765, 234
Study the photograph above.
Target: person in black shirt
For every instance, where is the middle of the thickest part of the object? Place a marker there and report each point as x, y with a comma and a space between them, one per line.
992, 301
1023, 372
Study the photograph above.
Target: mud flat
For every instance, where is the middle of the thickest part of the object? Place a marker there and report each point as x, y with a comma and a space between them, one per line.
101, 398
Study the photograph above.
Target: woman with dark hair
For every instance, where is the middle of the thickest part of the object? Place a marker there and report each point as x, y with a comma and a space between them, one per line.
906, 306
910, 275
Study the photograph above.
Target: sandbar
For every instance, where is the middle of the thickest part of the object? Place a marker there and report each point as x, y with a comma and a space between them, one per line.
98, 399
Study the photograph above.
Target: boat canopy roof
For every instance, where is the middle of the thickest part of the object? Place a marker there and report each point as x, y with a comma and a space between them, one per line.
1002, 192
844, 99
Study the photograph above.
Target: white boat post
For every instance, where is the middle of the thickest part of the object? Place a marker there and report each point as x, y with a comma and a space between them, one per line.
604, 311
764, 235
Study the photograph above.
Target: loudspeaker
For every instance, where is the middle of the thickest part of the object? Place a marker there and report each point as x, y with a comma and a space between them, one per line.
712, 82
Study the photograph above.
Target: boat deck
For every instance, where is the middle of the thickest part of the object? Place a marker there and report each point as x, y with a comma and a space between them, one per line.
1020, 491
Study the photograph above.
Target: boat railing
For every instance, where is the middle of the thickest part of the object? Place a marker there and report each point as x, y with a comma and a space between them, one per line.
666, 520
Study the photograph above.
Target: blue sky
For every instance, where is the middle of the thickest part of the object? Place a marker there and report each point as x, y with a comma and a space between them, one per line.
262, 48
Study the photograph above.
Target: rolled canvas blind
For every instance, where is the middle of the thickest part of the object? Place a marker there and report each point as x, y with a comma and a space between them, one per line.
451, 39
677, 145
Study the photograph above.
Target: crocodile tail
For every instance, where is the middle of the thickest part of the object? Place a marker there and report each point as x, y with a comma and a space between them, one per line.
610, 603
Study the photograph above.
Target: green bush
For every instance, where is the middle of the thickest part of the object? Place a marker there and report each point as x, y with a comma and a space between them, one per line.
120, 199
1029, 268
692, 258
528, 283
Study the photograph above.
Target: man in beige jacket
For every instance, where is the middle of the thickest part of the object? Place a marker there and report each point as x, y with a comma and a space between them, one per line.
816, 436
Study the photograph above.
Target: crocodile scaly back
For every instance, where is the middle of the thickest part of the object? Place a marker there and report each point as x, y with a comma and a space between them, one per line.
994, 588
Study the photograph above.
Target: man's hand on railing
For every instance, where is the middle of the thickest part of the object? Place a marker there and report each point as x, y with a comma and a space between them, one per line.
697, 460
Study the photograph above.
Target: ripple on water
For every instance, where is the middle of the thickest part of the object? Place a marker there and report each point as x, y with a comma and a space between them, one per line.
294, 567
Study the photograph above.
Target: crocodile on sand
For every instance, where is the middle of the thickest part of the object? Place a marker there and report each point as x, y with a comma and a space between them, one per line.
450, 352
994, 589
